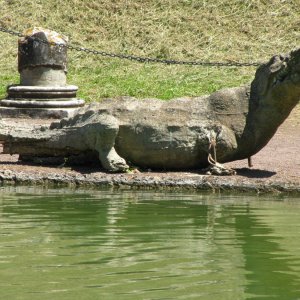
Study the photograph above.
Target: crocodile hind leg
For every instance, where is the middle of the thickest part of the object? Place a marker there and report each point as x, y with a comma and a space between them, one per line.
100, 136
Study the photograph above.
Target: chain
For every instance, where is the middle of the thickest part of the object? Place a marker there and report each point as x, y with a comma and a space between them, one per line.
11, 32
140, 59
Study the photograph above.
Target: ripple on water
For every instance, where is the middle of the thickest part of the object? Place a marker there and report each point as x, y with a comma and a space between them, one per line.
143, 245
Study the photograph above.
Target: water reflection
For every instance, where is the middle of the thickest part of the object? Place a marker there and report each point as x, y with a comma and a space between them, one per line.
143, 245
269, 275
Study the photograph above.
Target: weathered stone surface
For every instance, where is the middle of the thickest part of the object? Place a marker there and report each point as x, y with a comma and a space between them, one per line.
41, 92
147, 181
41, 103
42, 97
43, 76
172, 134
33, 52
38, 113
43, 84
42, 58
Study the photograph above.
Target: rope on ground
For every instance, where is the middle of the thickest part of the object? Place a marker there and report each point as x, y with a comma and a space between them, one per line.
216, 168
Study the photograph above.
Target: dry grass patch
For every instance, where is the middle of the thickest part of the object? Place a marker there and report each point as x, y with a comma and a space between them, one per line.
238, 30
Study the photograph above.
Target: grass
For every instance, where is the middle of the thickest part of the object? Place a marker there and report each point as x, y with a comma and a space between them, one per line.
222, 30
140, 80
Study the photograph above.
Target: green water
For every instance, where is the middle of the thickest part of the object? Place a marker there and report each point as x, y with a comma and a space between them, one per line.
144, 245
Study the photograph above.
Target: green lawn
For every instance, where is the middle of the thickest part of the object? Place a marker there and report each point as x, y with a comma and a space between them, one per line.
210, 30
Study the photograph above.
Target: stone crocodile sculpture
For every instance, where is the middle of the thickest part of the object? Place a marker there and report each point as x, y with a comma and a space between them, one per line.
175, 134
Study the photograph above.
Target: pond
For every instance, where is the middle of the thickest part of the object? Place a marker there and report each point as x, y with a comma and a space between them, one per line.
76, 244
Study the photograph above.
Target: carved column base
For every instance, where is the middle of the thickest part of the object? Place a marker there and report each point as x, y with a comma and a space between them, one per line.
40, 101
38, 113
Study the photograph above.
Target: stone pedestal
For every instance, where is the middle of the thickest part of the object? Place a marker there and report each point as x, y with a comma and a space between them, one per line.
43, 90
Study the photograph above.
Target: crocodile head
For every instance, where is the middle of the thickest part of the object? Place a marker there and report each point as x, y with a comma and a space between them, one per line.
274, 92
277, 83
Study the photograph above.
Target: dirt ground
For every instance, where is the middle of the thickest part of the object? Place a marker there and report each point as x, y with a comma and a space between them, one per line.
277, 164
280, 159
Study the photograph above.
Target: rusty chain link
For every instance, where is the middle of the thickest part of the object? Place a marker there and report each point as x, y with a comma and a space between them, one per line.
140, 58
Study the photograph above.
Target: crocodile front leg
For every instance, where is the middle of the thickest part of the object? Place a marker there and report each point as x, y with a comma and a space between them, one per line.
100, 136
